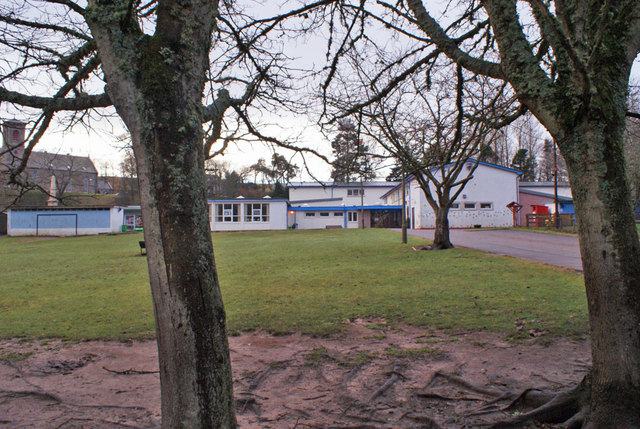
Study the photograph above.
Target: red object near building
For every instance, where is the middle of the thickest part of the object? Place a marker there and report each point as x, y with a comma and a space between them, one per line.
538, 209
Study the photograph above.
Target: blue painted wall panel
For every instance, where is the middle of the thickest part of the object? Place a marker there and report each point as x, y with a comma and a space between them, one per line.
61, 219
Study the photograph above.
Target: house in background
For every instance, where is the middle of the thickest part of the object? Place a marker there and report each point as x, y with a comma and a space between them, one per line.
243, 214
315, 205
534, 195
72, 173
482, 202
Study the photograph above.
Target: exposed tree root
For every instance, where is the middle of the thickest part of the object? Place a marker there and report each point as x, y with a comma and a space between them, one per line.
533, 405
568, 408
36, 394
395, 376
562, 408
425, 421
464, 384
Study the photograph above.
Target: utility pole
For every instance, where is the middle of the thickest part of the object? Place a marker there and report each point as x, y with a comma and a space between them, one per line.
358, 149
404, 205
555, 187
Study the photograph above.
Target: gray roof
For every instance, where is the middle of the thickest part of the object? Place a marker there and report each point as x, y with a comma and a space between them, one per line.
543, 184
371, 184
546, 195
59, 162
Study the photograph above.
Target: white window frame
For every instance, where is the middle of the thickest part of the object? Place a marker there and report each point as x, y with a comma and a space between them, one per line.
310, 214
256, 212
355, 192
455, 206
228, 212
352, 216
470, 208
336, 214
486, 208
324, 214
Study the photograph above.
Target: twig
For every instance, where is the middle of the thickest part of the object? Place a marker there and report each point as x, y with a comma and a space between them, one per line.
129, 371
314, 397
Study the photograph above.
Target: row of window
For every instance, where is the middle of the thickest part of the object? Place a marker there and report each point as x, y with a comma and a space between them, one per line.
472, 206
355, 192
351, 216
230, 212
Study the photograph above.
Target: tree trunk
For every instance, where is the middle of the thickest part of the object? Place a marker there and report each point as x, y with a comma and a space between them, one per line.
611, 261
156, 84
441, 233
195, 370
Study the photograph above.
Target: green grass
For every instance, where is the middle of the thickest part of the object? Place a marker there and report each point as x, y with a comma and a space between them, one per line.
285, 281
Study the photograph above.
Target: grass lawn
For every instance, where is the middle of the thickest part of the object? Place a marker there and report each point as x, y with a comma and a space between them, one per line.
308, 281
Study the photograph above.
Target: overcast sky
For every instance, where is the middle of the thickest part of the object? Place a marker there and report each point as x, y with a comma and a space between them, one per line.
100, 142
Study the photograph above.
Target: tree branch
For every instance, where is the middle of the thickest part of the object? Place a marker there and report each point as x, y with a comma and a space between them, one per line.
447, 45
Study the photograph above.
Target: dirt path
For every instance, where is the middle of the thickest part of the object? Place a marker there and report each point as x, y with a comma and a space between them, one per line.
371, 376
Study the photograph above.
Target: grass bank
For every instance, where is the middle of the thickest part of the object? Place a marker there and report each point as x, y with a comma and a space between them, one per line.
308, 281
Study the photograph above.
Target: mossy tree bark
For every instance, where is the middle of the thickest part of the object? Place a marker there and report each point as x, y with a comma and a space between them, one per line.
581, 100
156, 84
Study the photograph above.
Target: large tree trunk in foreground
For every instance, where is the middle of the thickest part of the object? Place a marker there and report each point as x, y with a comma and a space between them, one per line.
441, 233
156, 84
609, 248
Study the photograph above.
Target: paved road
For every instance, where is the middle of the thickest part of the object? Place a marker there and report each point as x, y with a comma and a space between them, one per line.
552, 249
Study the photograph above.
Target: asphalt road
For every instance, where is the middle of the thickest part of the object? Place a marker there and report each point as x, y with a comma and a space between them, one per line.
554, 249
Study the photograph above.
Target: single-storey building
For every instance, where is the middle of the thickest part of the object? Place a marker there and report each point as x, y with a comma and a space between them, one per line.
242, 214
482, 202
314, 205
64, 221
536, 194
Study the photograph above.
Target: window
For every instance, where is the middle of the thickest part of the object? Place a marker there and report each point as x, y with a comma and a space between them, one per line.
228, 212
355, 192
337, 214
352, 216
455, 206
309, 214
324, 214
469, 206
486, 206
256, 212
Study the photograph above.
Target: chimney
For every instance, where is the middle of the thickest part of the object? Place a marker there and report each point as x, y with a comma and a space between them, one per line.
13, 137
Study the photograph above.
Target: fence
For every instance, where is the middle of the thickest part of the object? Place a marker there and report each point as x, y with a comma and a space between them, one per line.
548, 220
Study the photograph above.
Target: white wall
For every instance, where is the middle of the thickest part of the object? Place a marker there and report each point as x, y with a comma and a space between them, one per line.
277, 216
335, 219
373, 192
489, 185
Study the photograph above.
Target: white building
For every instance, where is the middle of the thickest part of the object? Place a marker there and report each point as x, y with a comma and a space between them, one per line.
315, 205
242, 214
482, 202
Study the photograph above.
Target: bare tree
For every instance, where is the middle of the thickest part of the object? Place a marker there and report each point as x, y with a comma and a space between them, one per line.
568, 63
436, 139
167, 68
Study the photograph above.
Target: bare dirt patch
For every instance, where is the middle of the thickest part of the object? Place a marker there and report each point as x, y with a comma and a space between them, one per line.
372, 376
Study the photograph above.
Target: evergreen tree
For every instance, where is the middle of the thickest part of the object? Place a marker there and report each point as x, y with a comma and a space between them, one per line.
526, 164
351, 156
279, 191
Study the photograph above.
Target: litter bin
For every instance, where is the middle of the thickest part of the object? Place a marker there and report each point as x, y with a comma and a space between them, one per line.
124, 228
